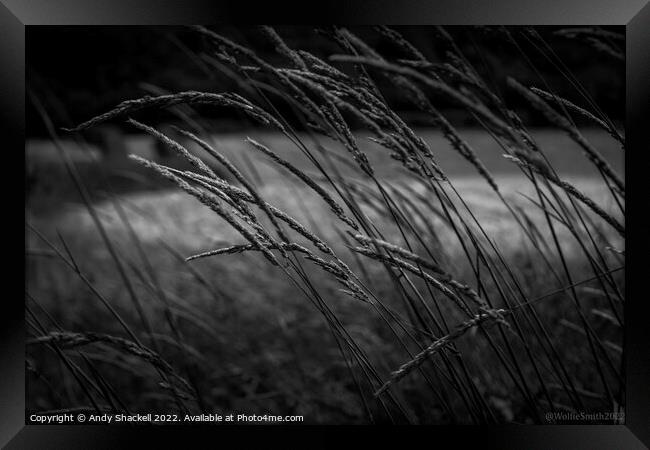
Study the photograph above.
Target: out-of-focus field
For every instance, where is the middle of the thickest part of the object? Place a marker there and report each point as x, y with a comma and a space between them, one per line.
157, 210
562, 152
264, 346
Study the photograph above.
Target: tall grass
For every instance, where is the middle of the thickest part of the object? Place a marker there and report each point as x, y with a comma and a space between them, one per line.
465, 330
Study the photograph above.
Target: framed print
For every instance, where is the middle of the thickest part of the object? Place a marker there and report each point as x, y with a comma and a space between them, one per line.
275, 219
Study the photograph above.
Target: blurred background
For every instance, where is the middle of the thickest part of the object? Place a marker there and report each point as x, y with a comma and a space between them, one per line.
86, 71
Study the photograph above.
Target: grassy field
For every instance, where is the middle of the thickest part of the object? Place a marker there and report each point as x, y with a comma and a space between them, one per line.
395, 275
259, 340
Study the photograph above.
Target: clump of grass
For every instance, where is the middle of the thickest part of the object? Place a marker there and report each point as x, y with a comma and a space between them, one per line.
493, 336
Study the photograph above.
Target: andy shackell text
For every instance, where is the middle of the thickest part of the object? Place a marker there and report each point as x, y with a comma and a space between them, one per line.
160, 418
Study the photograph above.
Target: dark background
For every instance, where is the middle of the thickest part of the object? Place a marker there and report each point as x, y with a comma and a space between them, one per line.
84, 71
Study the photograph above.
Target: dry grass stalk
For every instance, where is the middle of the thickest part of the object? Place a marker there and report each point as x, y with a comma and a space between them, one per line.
211, 201
188, 97
66, 339
334, 206
562, 122
238, 175
534, 164
443, 275
583, 112
438, 345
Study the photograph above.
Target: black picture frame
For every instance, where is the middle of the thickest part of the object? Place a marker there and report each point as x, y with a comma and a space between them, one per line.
16, 15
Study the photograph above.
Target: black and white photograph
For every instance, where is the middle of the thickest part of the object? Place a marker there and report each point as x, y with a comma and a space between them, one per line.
325, 225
